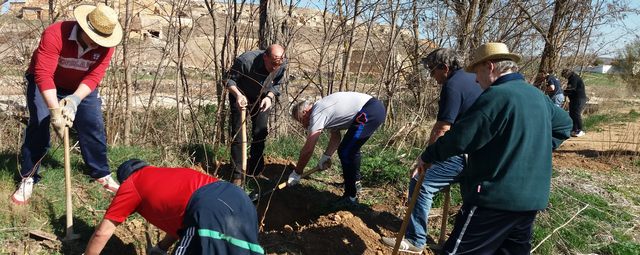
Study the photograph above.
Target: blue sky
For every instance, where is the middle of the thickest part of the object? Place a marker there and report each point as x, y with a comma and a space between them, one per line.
617, 35
614, 36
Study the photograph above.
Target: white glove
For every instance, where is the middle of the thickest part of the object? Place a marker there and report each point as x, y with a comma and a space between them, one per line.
294, 179
58, 122
156, 250
322, 163
69, 106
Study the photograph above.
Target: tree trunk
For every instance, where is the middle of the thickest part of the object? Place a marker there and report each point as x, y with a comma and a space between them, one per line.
269, 30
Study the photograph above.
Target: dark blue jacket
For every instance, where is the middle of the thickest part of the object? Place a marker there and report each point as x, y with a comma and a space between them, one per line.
248, 73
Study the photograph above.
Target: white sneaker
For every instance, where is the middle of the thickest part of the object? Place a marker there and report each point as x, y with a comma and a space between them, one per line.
578, 134
24, 191
405, 246
108, 183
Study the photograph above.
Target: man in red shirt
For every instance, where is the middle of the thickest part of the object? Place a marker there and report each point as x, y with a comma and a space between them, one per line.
68, 65
207, 215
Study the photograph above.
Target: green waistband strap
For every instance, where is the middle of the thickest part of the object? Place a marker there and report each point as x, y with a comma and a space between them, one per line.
237, 242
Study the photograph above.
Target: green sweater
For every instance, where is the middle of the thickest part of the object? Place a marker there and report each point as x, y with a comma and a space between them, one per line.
509, 134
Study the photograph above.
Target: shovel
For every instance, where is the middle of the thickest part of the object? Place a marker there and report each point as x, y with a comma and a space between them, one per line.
407, 215
243, 119
257, 197
67, 177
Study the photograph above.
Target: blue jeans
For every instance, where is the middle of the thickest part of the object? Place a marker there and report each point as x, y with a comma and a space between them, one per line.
558, 100
440, 175
88, 123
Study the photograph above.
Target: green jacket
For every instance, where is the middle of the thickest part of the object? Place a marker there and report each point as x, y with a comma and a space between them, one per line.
509, 134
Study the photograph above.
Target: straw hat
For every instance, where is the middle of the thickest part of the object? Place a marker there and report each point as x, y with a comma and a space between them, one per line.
491, 51
100, 23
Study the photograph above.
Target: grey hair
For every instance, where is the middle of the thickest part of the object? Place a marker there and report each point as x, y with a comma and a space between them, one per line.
297, 108
444, 56
504, 66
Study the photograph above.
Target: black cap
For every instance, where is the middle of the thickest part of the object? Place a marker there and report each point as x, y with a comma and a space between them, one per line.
129, 167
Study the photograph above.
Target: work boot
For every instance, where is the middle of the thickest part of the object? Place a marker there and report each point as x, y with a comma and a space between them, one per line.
108, 183
405, 245
24, 191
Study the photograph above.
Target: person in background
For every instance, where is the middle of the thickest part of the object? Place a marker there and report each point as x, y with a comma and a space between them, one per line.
577, 100
553, 88
62, 78
360, 114
508, 176
246, 83
459, 91
208, 216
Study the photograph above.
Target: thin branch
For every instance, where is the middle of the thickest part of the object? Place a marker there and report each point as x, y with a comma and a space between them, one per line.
558, 228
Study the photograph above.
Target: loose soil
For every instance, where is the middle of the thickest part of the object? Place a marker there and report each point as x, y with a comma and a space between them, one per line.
303, 219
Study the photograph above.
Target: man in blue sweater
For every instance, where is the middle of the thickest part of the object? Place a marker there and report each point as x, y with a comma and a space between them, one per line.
508, 176
459, 91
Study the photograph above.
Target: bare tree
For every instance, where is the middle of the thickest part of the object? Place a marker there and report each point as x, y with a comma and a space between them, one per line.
270, 23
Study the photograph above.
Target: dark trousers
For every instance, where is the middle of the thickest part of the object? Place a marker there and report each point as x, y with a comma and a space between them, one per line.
479, 230
576, 106
88, 123
219, 219
367, 121
259, 131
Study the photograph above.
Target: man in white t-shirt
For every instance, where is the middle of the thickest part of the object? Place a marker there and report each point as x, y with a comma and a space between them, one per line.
360, 114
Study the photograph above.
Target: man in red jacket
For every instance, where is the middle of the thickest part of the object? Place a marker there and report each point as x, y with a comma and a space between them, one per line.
207, 215
65, 70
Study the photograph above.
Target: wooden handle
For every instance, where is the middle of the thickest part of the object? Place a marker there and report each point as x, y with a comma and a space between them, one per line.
243, 119
445, 215
67, 178
407, 215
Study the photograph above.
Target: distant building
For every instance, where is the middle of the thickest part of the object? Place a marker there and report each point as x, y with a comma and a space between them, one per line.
598, 69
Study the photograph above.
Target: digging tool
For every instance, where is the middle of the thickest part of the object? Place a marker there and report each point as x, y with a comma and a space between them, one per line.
445, 216
282, 185
407, 215
243, 119
67, 177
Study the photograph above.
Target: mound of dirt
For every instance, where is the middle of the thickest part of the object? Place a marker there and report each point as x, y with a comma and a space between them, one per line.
340, 233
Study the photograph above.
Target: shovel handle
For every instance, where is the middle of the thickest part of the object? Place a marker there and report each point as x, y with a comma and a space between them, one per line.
67, 178
243, 120
407, 215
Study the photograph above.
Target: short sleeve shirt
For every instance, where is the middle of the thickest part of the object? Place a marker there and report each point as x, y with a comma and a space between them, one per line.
336, 111
160, 195
458, 93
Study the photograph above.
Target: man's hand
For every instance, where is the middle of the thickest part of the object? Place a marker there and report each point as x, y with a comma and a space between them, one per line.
70, 107
156, 250
419, 167
294, 179
324, 162
241, 101
265, 104
58, 122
